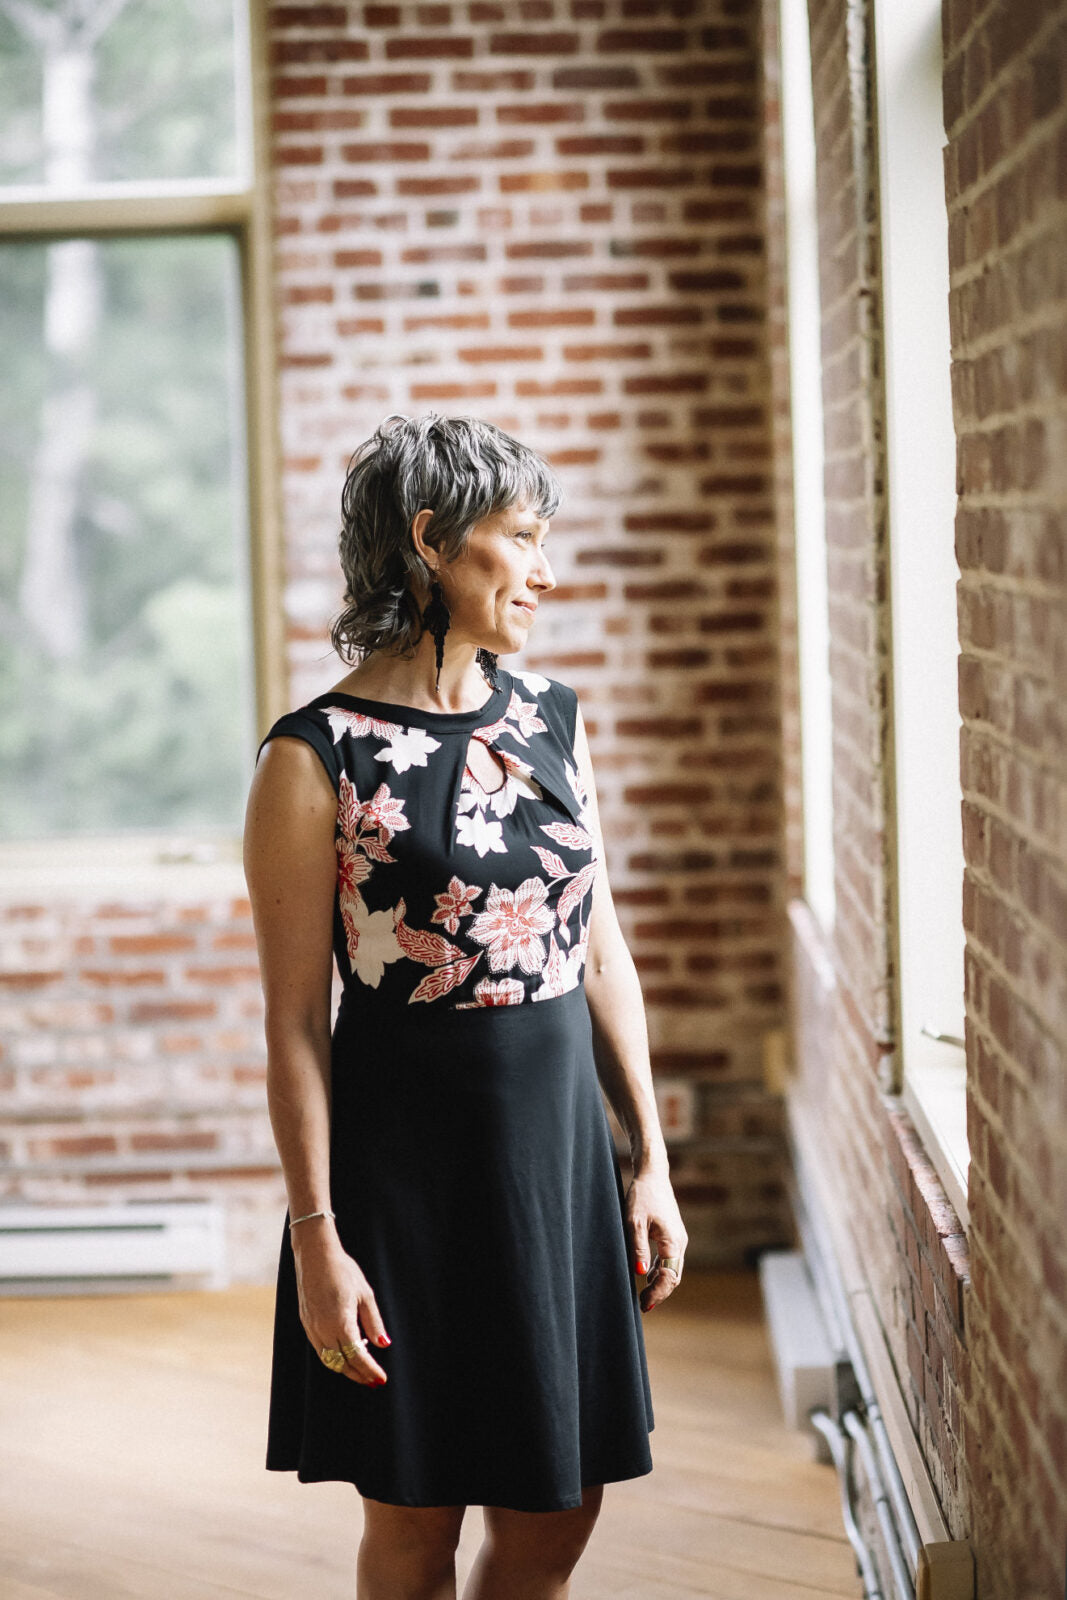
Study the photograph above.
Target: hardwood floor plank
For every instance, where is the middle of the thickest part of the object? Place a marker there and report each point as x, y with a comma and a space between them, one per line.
133, 1431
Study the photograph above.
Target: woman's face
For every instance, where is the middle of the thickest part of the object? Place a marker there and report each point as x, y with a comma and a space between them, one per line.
493, 588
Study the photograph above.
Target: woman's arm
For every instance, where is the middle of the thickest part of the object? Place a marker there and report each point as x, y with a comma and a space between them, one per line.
620, 1042
291, 870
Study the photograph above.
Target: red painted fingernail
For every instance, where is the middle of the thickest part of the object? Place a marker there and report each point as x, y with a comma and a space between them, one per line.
383, 1338
378, 1382
642, 1266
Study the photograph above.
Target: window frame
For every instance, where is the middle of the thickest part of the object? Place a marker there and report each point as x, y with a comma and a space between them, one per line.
923, 587
166, 858
804, 323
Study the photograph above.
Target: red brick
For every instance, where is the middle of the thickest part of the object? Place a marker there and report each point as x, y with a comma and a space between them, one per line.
461, 183
433, 116
384, 83
509, 80
439, 47
382, 151
639, 41
557, 43
543, 112
594, 78
520, 182
293, 52
308, 16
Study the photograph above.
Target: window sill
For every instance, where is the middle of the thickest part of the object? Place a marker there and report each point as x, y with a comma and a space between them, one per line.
934, 1094
177, 866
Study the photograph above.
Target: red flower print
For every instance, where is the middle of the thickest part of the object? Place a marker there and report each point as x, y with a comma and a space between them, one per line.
457, 901
385, 812
442, 979
348, 807
343, 720
353, 868
511, 925
495, 992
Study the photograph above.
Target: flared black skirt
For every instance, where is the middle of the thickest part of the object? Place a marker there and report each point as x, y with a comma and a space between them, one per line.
476, 1183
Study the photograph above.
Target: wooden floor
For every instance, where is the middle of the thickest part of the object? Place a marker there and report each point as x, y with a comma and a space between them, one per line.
131, 1448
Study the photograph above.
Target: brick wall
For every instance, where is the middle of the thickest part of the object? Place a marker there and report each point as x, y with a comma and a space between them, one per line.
131, 1064
549, 214
1006, 183
780, 420
976, 1322
903, 1224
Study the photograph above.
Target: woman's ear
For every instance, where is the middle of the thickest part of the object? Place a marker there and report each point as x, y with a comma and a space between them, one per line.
419, 524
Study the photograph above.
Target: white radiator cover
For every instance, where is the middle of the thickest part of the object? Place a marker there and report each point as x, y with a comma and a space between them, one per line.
803, 1357
50, 1249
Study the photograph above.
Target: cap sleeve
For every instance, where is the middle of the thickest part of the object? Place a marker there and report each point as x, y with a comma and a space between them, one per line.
559, 706
569, 704
311, 727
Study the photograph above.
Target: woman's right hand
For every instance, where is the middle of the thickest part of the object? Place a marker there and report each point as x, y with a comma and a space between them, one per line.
337, 1304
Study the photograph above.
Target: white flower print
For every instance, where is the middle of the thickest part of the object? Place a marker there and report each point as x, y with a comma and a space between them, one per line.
475, 831
495, 992
561, 972
511, 925
585, 815
533, 680
376, 943
409, 747
526, 714
520, 718
574, 894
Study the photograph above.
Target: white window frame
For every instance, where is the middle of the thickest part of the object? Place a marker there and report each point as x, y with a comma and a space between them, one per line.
167, 860
923, 584
809, 503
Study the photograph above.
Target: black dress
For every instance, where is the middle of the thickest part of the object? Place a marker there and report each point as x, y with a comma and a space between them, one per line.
472, 1168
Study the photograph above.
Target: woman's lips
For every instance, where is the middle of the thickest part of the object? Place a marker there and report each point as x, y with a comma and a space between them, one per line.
526, 606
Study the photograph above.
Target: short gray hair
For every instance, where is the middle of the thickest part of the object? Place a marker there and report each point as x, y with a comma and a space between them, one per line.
464, 470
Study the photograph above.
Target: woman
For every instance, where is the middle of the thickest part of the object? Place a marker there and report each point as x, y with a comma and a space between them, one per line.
457, 1319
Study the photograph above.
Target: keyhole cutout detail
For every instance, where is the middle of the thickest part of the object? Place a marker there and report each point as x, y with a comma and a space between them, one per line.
486, 766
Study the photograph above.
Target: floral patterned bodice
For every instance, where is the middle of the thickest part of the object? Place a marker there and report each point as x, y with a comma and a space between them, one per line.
448, 893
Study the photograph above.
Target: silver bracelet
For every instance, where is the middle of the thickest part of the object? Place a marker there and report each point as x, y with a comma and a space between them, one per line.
311, 1214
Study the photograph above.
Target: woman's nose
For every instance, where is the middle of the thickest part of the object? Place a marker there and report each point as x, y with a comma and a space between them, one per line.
543, 574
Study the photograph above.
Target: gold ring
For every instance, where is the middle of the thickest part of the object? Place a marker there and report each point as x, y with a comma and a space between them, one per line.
331, 1358
674, 1263
349, 1350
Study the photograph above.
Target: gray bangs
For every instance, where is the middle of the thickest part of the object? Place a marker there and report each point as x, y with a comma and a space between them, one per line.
464, 470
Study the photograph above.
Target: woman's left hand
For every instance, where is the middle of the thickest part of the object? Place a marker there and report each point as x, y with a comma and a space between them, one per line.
657, 1233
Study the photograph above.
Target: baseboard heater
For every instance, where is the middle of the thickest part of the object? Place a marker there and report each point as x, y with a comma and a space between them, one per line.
826, 1390
108, 1249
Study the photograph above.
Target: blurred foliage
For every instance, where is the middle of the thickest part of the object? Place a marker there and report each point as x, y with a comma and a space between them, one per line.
162, 93
149, 725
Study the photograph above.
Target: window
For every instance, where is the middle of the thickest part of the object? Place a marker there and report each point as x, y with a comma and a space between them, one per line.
805, 366
924, 577
133, 271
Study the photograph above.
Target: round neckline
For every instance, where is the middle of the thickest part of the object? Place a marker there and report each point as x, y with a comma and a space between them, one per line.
416, 717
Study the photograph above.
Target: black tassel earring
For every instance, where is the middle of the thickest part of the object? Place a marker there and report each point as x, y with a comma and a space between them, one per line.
488, 662
437, 618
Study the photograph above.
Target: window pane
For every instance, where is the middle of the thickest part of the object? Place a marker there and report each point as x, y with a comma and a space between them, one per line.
116, 90
125, 683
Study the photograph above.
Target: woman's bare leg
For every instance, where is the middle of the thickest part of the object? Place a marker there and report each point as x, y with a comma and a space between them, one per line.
408, 1552
530, 1555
